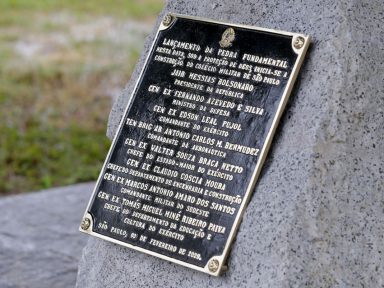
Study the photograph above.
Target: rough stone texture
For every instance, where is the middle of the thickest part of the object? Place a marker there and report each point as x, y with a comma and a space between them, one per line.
317, 216
40, 244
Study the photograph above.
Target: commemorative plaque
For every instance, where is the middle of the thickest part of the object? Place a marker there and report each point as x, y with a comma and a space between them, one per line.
193, 138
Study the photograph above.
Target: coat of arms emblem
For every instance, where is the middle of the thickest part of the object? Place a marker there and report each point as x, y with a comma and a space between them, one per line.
227, 38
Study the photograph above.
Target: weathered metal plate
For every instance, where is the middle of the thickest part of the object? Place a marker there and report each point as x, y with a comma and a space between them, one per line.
193, 138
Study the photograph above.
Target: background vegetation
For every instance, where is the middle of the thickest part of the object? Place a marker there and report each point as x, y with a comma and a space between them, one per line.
61, 65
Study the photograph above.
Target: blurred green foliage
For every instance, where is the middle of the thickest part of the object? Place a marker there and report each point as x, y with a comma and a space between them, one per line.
59, 69
138, 9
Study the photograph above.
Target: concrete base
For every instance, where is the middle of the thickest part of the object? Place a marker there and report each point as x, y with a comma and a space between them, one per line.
40, 244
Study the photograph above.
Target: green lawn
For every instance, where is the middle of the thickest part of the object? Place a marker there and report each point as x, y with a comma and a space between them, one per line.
61, 63
138, 9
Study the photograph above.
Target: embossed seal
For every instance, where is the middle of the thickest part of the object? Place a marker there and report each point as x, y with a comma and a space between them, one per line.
227, 38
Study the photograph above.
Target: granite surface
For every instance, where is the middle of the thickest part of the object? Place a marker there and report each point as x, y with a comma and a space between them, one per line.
317, 216
40, 244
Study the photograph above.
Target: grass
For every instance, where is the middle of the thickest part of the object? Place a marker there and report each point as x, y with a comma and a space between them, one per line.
137, 9
60, 67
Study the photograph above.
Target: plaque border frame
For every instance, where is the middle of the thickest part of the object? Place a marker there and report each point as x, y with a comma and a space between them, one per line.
220, 259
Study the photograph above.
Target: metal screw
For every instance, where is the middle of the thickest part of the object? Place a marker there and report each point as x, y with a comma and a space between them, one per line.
213, 265
85, 223
167, 20
299, 42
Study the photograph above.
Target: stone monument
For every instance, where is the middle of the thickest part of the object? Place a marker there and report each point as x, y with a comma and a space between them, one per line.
315, 219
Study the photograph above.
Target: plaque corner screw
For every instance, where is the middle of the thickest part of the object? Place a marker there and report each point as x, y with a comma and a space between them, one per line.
299, 41
167, 20
85, 223
213, 265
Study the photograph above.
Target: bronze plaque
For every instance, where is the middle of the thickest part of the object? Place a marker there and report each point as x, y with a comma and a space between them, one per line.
192, 141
